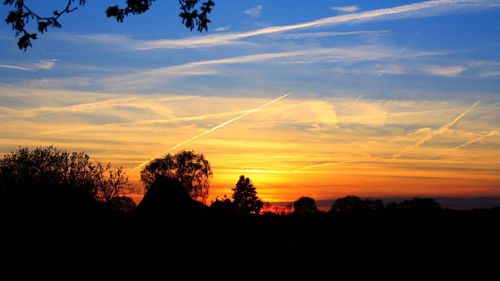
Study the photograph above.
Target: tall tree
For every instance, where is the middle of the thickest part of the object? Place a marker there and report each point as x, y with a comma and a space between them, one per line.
190, 169
193, 14
245, 197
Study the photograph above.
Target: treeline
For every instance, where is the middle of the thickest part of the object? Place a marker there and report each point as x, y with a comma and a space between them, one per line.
67, 217
48, 178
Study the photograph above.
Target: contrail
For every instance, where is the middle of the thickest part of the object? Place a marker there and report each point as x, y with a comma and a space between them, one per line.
408, 44
308, 167
229, 121
443, 129
352, 104
223, 124
471, 141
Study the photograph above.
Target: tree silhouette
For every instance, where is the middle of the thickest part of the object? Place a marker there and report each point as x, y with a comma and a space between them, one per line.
123, 204
305, 205
190, 169
167, 198
420, 204
348, 204
374, 205
223, 206
245, 197
355, 204
192, 14
49, 167
110, 182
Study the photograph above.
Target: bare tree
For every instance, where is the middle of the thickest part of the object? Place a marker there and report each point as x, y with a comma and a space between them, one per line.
110, 182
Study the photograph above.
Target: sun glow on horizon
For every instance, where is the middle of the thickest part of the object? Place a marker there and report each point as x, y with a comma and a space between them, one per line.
390, 99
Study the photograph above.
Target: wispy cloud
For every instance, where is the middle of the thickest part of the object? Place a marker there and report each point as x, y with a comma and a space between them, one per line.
321, 165
489, 74
222, 28
324, 34
16, 67
254, 12
443, 129
422, 9
447, 71
145, 79
346, 9
39, 65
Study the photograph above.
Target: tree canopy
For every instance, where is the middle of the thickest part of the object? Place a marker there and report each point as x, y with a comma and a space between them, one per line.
49, 167
355, 204
194, 14
190, 169
305, 205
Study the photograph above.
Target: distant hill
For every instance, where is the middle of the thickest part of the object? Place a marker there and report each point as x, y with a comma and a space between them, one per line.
456, 203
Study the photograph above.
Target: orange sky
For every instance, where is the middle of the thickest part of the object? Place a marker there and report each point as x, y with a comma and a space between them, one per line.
293, 147
386, 98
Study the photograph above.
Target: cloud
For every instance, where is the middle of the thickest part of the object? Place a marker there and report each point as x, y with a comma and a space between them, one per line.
222, 28
44, 64
404, 65
40, 65
273, 140
416, 10
489, 74
16, 67
129, 80
203, 41
254, 12
303, 35
346, 9
447, 71
150, 78
100, 37
443, 129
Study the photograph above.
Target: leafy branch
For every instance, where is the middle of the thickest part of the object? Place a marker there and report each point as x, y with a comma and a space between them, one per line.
194, 13
22, 14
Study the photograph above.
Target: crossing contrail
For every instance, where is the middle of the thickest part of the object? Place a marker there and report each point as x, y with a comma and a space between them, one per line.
471, 141
443, 129
221, 125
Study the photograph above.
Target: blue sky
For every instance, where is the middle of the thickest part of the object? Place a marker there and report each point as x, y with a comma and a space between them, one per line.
392, 73
446, 40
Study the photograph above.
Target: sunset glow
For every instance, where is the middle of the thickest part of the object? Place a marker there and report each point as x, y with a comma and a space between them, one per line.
386, 99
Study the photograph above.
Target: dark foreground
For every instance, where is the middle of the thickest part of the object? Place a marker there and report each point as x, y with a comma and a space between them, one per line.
386, 244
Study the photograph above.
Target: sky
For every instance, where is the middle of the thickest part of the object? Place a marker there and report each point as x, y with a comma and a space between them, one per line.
307, 98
